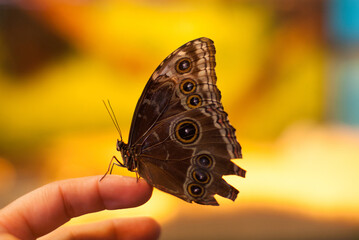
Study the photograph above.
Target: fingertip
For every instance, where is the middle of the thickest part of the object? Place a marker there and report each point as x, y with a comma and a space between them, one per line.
122, 191
144, 228
152, 228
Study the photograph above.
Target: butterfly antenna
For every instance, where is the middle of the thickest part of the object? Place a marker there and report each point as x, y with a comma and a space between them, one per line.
113, 116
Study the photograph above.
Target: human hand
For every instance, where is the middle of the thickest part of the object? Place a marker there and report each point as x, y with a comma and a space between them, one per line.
43, 210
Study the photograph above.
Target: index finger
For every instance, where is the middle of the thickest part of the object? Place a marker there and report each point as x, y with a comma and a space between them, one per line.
46, 208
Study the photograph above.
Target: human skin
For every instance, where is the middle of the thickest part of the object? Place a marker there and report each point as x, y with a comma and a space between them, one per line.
40, 213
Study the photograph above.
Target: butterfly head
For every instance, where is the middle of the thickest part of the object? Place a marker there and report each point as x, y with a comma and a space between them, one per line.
121, 146
127, 157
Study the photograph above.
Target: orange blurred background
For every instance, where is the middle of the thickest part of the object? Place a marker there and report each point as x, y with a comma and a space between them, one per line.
287, 70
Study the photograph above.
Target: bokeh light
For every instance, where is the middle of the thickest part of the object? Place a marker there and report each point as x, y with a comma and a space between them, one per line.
289, 79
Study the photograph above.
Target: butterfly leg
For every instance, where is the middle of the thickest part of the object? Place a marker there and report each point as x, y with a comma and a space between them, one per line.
136, 171
110, 166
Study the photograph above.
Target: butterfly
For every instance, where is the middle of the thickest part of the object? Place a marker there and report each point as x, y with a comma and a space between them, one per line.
180, 140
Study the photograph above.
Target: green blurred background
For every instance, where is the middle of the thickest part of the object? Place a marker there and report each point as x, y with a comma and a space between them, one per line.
288, 72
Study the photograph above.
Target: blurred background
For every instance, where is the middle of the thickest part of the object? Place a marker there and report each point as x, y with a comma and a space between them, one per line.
289, 76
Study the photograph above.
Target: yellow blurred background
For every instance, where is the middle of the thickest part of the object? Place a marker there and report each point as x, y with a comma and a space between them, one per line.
287, 70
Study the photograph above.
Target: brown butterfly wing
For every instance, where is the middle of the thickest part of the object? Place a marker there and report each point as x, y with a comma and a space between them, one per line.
161, 86
186, 144
171, 166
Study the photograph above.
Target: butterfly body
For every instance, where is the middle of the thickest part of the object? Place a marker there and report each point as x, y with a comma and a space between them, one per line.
180, 139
